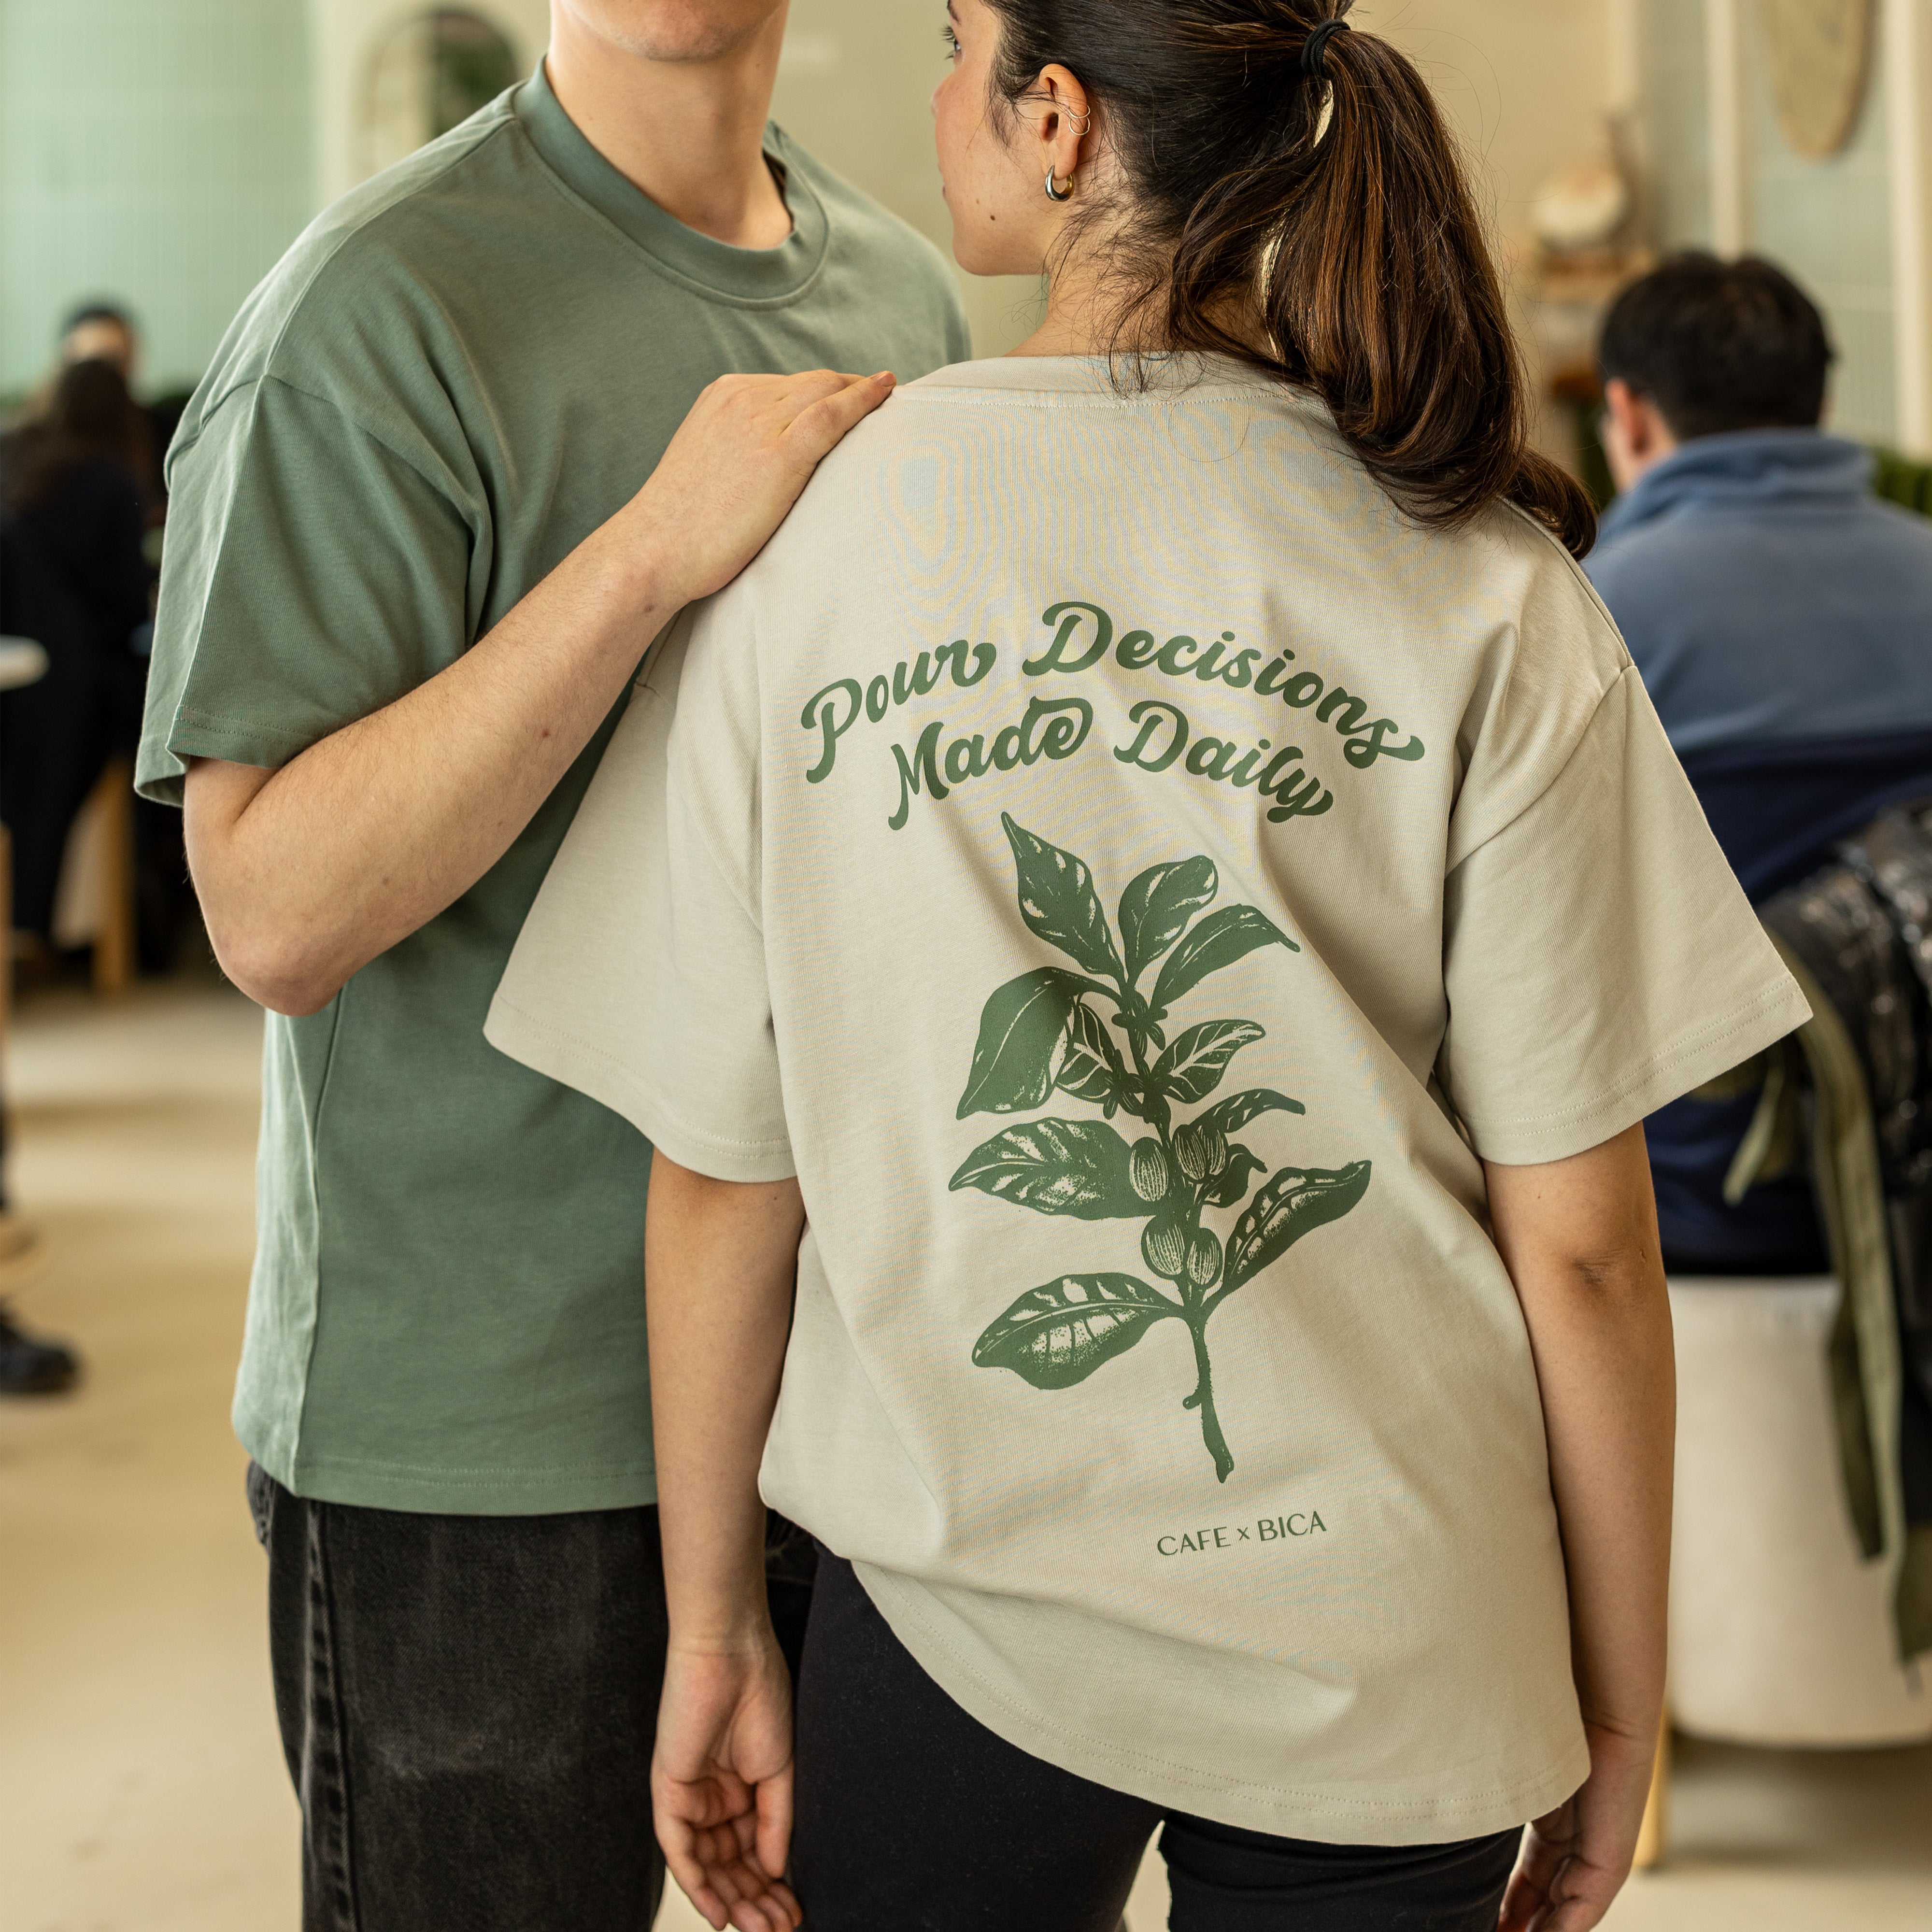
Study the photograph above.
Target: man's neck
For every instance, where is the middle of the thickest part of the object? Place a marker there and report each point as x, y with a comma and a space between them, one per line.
689, 133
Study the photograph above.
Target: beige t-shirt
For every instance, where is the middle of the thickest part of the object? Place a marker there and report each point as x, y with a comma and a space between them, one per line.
1102, 848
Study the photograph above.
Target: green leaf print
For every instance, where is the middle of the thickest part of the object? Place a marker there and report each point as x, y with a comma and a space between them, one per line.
1191, 1069
1090, 1066
1228, 1187
1219, 940
1156, 908
1058, 902
1046, 1030
1297, 1200
1019, 1048
1058, 1335
1056, 1167
1231, 1115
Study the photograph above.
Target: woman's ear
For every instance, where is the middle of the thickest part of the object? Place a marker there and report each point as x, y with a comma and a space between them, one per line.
1063, 122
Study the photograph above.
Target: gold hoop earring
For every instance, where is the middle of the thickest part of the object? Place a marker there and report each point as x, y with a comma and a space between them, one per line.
1058, 194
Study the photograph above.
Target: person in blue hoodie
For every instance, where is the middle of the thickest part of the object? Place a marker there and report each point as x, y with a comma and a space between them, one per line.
1781, 617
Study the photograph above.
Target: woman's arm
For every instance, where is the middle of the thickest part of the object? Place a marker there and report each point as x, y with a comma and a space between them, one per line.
720, 1260
1579, 1239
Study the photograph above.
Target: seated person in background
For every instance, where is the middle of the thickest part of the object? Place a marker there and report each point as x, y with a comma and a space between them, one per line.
101, 331
1781, 616
71, 504
104, 332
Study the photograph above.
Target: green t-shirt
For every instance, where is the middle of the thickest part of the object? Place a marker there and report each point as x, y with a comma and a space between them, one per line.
456, 374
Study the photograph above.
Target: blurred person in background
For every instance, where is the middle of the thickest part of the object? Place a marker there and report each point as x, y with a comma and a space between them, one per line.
72, 579
106, 331
99, 332
1781, 615
70, 493
463, 454
30, 1364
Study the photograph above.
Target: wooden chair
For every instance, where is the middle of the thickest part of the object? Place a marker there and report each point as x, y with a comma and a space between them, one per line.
1653, 1840
96, 903
114, 936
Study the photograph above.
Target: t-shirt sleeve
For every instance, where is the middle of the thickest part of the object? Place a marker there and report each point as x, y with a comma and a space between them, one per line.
639, 975
1600, 959
312, 576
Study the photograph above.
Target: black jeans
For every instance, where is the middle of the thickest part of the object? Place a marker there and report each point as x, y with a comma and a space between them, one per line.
914, 1817
467, 1705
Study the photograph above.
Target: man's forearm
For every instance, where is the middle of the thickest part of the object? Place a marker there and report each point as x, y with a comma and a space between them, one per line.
371, 832
720, 1261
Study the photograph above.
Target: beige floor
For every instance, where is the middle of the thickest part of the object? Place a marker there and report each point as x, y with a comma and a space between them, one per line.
141, 1788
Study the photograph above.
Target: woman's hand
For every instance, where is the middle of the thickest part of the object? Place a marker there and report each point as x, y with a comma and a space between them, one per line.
721, 1784
1575, 1859
1579, 1239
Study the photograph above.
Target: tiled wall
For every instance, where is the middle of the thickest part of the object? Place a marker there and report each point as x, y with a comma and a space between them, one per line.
156, 151
1676, 92
1827, 223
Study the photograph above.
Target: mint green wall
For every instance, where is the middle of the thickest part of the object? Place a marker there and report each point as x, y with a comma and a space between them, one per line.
1827, 223
158, 151
1676, 90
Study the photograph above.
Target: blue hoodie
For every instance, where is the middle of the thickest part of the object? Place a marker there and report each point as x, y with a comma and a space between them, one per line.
1782, 619
1767, 596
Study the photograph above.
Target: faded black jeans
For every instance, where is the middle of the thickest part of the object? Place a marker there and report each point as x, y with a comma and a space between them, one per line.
914, 1817
467, 1705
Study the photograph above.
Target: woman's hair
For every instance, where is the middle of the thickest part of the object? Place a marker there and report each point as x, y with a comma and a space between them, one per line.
1330, 210
89, 417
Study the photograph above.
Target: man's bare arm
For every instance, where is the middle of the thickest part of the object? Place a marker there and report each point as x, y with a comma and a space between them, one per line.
305, 873
1579, 1239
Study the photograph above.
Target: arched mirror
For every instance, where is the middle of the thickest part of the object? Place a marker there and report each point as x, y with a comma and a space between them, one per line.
425, 76
1821, 60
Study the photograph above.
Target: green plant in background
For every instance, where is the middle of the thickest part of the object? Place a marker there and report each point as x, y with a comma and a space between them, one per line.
1044, 1032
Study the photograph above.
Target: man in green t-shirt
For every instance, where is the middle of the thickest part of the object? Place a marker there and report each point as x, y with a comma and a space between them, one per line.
431, 505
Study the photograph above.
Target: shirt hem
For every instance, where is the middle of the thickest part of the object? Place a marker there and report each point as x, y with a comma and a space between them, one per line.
429, 1489
1686, 1062
576, 1063
1284, 1810
160, 764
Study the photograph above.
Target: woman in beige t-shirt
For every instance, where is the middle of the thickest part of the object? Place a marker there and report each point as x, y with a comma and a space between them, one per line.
1143, 928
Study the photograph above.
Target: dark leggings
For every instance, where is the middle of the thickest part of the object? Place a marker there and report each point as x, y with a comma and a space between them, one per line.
913, 1815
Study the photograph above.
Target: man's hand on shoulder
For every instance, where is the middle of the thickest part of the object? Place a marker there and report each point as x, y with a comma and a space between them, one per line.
736, 465
307, 873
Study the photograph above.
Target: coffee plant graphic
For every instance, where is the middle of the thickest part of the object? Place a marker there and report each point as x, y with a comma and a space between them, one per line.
1044, 1032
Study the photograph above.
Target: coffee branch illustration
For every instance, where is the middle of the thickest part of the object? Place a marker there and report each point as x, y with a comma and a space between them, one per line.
1044, 1032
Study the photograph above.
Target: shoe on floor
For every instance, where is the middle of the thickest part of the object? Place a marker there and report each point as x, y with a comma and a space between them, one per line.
31, 1366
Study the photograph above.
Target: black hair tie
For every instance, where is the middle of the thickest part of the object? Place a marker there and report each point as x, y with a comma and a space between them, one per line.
1314, 49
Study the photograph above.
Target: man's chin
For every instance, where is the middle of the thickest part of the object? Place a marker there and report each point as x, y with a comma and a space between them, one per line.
679, 31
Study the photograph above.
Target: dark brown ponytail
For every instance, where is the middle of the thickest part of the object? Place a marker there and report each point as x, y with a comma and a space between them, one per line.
1326, 215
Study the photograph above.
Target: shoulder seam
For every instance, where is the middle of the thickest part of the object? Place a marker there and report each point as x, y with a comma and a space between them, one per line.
1577, 572
375, 436
1543, 790
485, 136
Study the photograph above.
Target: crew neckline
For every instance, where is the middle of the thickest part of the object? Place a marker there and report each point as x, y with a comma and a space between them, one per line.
713, 268
1174, 378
